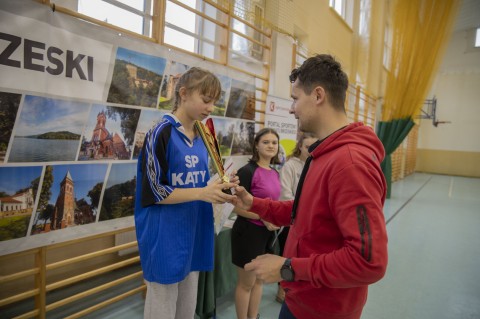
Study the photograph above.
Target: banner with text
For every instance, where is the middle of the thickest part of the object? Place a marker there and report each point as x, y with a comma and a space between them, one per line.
278, 117
76, 101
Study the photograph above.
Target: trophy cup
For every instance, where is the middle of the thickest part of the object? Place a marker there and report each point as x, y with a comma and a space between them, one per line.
207, 133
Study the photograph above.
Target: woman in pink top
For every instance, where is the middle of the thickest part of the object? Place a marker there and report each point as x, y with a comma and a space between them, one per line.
251, 235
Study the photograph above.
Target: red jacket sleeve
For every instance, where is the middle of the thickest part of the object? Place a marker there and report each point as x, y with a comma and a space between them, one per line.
275, 212
355, 195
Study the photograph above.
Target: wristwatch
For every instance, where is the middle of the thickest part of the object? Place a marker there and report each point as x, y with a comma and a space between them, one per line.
286, 272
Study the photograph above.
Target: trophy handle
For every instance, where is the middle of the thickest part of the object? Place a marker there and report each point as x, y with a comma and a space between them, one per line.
213, 151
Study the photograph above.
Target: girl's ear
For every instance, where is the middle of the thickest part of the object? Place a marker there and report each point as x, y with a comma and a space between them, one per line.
183, 93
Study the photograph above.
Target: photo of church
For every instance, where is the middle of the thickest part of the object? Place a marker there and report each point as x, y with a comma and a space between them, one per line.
69, 196
109, 133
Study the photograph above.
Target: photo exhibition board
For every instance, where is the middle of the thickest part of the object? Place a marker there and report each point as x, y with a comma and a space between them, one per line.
76, 102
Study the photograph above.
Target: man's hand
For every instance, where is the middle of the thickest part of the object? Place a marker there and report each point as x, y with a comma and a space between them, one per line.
244, 199
270, 226
266, 267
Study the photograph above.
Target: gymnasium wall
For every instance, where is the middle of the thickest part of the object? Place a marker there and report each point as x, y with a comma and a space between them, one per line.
454, 148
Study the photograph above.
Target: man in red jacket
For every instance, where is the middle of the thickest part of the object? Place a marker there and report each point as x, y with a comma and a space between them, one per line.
337, 243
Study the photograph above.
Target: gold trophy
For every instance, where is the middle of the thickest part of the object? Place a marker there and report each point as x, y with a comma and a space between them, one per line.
207, 133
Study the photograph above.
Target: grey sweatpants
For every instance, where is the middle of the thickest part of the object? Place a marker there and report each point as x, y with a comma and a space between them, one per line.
174, 301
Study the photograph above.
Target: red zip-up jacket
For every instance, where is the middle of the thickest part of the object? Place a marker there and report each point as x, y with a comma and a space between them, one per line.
338, 240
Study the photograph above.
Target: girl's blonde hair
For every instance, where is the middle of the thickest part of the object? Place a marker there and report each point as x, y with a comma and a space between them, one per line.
301, 136
198, 79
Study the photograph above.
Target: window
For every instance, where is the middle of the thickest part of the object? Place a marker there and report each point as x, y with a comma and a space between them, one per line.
248, 35
344, 8
239, 43
477, 38
338, 5
257, 50
180, 32
365, 18
198, 28
301, 54
133, 15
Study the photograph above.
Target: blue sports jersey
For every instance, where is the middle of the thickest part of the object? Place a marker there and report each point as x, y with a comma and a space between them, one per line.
173, 239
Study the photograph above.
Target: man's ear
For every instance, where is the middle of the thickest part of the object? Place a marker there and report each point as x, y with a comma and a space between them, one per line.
319, 94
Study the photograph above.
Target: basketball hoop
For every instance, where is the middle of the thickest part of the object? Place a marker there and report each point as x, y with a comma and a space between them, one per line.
429, 112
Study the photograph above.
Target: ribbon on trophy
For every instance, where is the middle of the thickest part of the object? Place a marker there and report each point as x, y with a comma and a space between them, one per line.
207, 133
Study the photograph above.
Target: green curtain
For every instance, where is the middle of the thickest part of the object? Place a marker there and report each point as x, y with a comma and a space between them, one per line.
392, 134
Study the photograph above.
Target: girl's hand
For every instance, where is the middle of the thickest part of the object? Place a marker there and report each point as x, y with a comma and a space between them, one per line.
213, 193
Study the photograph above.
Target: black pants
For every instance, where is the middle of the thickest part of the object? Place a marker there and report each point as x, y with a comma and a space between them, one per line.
285, 312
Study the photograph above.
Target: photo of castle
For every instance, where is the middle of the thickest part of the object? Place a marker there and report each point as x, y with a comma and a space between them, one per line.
175, 71
136, 78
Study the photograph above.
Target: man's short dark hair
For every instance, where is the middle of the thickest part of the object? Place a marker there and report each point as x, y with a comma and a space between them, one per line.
323, 70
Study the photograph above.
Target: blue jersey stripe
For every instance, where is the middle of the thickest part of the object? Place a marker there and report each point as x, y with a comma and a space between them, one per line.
160, 191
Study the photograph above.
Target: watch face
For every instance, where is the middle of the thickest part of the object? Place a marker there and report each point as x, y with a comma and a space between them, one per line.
286, 274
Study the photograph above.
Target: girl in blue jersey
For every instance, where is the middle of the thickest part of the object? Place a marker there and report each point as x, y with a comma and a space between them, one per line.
173, 210
252, 236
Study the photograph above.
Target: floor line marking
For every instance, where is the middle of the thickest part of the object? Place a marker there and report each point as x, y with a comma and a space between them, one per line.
408, 201
450, 189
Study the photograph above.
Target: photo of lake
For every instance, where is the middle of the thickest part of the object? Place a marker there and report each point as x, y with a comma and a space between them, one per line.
33, 150
48, 130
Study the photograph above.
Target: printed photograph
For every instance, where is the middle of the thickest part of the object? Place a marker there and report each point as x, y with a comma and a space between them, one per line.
69, 196
224, 129
241, 102
148, 119
119, 196
48, 130
9, 103
136, 78
243, 138
18, 190
221, 104
175, 71
109, 133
